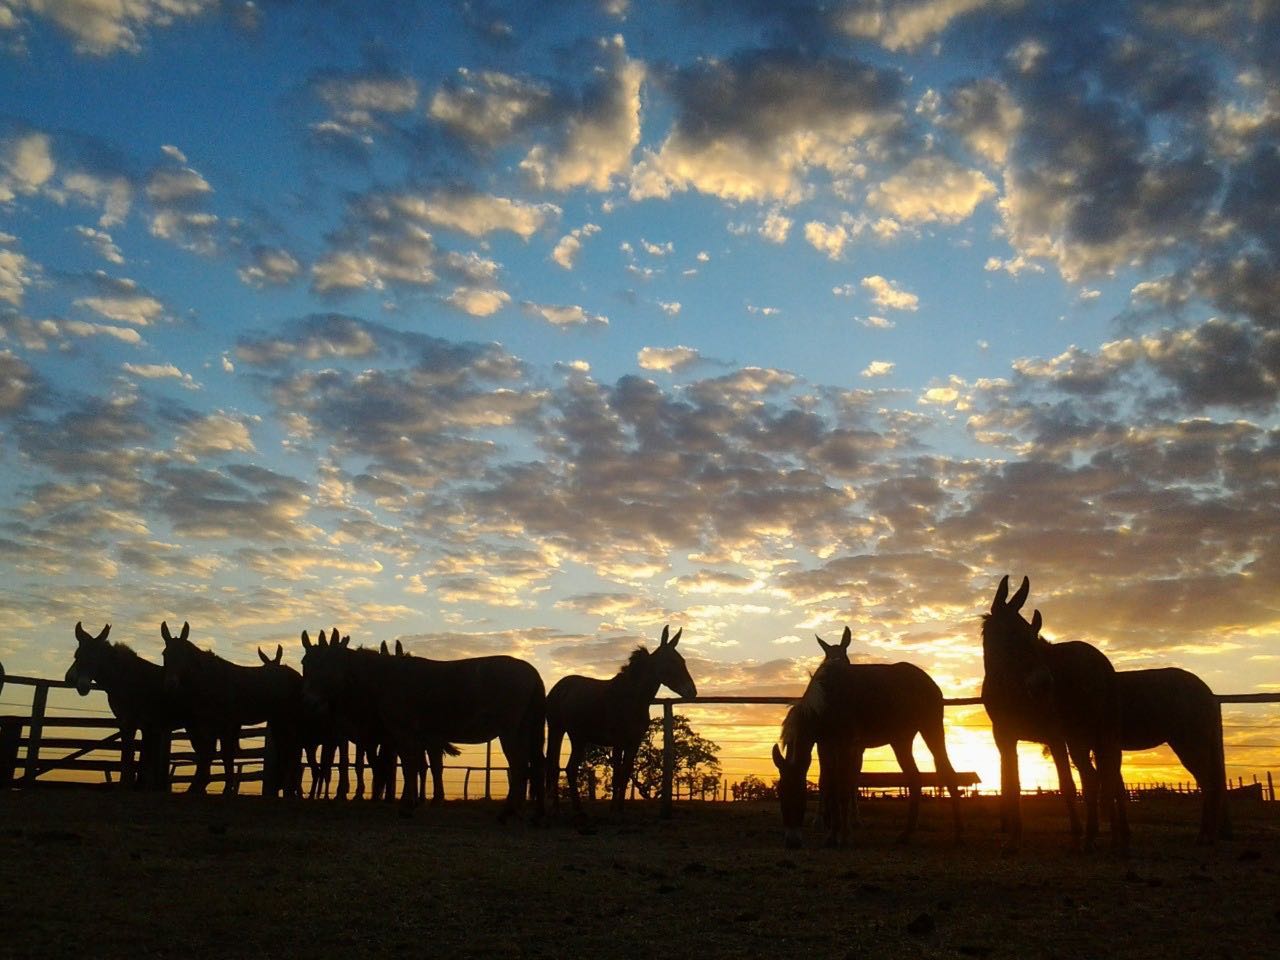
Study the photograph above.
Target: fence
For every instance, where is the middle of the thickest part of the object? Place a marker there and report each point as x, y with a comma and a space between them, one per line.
75, 753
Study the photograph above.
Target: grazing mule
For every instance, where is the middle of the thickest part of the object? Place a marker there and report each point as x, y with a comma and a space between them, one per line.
135, 693
846, 709
421, 702
611, 713
1062, 695
221, 697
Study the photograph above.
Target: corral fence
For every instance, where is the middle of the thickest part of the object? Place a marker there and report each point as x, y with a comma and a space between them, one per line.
78, 744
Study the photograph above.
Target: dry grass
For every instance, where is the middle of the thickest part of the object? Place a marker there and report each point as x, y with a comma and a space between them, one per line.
112, 874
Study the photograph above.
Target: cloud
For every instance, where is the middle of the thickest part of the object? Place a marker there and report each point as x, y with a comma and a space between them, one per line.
985, 116
19, 384
479, 302
878, 368
887, 294
17, 272
906, 25
775, 228
270, 267
215, 433
595, 144
324, 336
357, 101
468, 212
931, 189
101, 29
752, 126
669, 359
487, 108
26, 165
159, 371
564, 316
569, 246
102, 244
121, 300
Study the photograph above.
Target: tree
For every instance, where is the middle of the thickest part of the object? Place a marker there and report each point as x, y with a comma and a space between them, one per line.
697, 766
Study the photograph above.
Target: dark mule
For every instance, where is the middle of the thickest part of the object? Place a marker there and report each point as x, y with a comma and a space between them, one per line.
421, 702
837, 653
221, 697
327, 738
846, 709
435, 752
1174, 706
1062, 695
611, 713
135, 693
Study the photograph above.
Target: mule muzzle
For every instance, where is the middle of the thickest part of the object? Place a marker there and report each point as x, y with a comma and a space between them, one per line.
82, 683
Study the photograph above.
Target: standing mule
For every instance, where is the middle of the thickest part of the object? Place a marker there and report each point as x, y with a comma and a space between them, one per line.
1174, 706
421, 702
611, 713
1062, 695
846, 709
435, 751
135, 693
221, 697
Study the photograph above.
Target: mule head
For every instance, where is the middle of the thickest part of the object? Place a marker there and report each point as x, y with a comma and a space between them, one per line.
836, 652
1005, 622
793, 793
91, 652
179, 656
672, 671
324, 670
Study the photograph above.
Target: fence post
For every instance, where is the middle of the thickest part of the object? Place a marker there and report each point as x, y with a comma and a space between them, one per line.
1271, 788
466, 782
668, 758
488, 766
39, 700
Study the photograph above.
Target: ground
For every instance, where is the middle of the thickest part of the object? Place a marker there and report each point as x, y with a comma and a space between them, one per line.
110, 873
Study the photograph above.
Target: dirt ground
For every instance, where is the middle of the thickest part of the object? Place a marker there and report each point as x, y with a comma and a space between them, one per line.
96, 873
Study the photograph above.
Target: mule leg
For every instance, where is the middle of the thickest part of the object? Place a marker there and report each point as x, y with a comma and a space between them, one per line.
1114, 795
229, 741
623, 761
1067, 787
203, 744
935, 739
1010, 789
902, 750
1094, 786
128, 764
436, 755
514, 747
576, 752
555, 737
1199, 763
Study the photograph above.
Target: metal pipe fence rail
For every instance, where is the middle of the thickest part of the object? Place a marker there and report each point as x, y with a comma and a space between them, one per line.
82, 754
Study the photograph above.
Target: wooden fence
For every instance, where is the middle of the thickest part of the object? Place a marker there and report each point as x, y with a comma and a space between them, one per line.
83, 754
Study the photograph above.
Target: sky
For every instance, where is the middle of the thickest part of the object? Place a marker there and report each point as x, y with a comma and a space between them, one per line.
529, 328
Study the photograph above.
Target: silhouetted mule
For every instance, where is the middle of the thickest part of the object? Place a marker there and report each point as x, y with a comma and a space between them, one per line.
221, 697
422, 702
435, 752
1174, 706
611, 713
846, 709
1062, 695
135, 693
837, 653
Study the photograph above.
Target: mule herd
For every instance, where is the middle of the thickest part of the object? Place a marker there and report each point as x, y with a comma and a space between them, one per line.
392, 706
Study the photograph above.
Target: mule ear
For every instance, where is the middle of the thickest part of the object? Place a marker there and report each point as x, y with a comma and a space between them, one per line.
399, 649
676, 638
1002, 594
826, 647
384, 649
279, 653
81, 635
1019, 598
778, 760
1036, 623
164, 632
306, 641
263, 657
333, 635
186, 630
846, 639
346, 641
665, 630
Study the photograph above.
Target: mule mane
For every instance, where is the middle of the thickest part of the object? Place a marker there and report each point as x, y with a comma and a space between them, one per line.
635, 663
811, 706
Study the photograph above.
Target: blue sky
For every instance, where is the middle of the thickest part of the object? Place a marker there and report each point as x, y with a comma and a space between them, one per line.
531, 328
